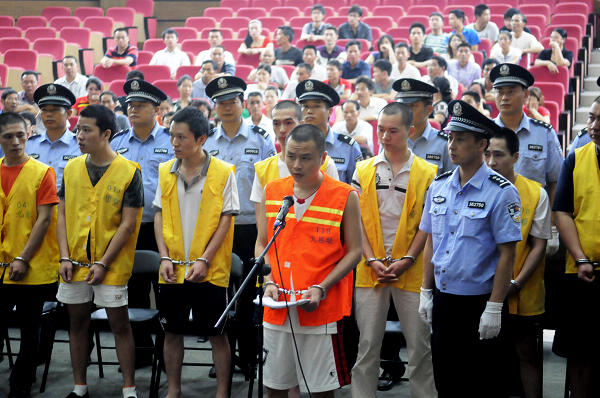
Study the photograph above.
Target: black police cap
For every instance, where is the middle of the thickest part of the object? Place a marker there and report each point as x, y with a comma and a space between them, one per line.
466, 118
413, 90
511, 74
225, 87
142, 91
54, 94
317, 90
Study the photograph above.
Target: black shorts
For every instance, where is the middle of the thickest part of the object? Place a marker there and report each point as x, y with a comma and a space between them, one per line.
206, 301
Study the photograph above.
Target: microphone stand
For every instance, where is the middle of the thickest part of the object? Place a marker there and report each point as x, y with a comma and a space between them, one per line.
258, 265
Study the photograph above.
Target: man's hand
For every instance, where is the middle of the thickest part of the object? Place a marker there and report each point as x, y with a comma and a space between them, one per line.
197, 272
426, 305
395, 269
167, 272
585, 272
271, 291
106, 62
314, 294
96, 275
66, 271
379, 268
552, 68
491, 321
17, 271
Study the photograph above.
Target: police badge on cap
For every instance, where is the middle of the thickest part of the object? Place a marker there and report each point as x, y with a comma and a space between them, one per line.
509, 75
54, 94
317, 90
225, 88
412, 90
466, 118
142, 91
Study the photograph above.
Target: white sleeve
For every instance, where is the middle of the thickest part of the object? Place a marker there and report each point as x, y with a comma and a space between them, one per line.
332, 171
257, 193
231, 202
541, 226
355, 181
157, 202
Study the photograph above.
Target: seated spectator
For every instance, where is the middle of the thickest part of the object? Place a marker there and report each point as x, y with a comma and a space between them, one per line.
30, 122
278, 74
441, 99
385, 50
524, 41
309, 56
271, 99
382, 69
353, 126
109, 100
453, 41
171, 55
403, 68
215, 38
484, 28
255, 42
419, 54
93, 88
204, 106
166, 119
315, 30
557, 54
534, 107
29, 83
302, 73
369, 105
122, 53
263, 80
456, 19
217, 54
354, 67
73, 80
286, 53
504, 51
185, 87
485, 81
436, 39
355, 28
330, 50
165, 107
255, 104
10, 100
508, 14
334, 79
463, 69
474, 99
478, 87
438, 67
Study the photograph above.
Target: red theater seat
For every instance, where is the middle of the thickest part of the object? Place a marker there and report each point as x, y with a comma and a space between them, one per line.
218, 13
336, 21
104, 25
116, 86
195, 45
21, 58
10, 43
571, 7
529, 9
153, 45
186, 33
144, 58
251, 12
32, 34
31, 22
298, 3
64, 22
3, 74
236, 4
84, 12
234, 23
168, 86
6, 20
388, 11
155, 72
190, 70
50, 12
79, 36
422, 9
124, 15
54, 47
144, 7
299, 22
242, 71
271, 23
383, 23
200, 23
107, 75
286, 13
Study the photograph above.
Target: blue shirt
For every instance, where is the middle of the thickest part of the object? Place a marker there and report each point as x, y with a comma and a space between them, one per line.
540, 156
363, 31
148, 154
470, 35
466, 225
580, 140
250, 145
345, 152
360, 69
55, 154
432, 146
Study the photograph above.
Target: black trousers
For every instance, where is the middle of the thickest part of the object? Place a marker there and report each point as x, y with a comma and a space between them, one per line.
29, 300
464, 365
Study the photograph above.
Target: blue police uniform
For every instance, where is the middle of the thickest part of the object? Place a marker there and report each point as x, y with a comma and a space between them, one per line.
251, 144
55, 154
582, 138
432, 146
149, 154
345, 152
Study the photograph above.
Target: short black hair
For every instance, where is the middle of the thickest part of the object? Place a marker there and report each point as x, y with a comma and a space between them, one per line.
108, 92
512, 141
309, 47
197, 103
134, 74
29, 72
382, 38
7, 118
308, 132
288, 31
458, 13
356, 104
489, 61
463, 44
255, 94
194, 118
437, 14
335, 63
480, 9
401, 44
210, 61
169, 31
8, 92
121, 30
440, 61
318, 7
29, 116
272, 88
367, 81
305, 66
69, 57
394, 108
562, 32
93, 80
508, 14
354, 43
473, 94
383, 65
417, 25
331, 27
105, 118
215, 30
183, 79
355, 9
288, 104
265, 67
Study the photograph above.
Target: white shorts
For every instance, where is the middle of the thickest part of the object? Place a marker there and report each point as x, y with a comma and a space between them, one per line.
103, 295
321, 355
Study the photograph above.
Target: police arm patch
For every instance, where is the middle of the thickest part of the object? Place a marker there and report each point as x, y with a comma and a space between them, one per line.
514, 211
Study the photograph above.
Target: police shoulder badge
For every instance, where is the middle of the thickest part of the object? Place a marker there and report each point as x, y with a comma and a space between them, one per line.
504, 69
514, 211
221, 83
405, 85
51, 89
457, 109
308, 86
135, 85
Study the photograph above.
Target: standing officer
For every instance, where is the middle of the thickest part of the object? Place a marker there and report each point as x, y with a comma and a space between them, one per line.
238, 142
317, 100
57, 144
540, 154
147, 143
473, 220
425, 142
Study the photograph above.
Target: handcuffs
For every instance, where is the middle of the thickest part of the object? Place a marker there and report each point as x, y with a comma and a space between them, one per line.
187, 263
84, 265
298, 292
4, 265
389, 260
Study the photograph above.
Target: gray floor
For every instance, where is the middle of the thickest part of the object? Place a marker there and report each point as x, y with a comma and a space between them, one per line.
197, 384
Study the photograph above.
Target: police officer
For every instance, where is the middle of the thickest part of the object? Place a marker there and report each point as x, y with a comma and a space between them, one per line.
540, 154
317, 100
472, 216
238, 142
57, 144
147, 143
426, 142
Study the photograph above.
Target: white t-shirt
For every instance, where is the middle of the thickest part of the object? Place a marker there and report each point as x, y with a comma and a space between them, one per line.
409, 71
375, 106
362, 129
513, 56
204, 55
527, 41
173, 59
541, 226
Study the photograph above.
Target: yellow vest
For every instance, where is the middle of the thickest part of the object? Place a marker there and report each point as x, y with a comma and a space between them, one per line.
268, 170
420, 177
530, 300
209, 215
18, 212
586, 191
95, 212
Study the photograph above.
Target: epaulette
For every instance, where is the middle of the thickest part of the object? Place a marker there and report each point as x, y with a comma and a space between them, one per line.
541, 123
346, 138
212, 132
443, 134
582, 132
444, 175
34, 137
261, 131
498, 179
119, 133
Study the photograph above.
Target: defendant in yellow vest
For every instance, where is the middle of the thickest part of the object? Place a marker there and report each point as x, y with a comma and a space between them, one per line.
28, 251
526, 293
101, 200
393, 186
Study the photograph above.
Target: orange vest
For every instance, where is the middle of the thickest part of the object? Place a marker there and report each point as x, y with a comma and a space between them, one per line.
311, 248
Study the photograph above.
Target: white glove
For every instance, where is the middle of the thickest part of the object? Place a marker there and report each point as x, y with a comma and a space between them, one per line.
553, 242
491, 320
426, 305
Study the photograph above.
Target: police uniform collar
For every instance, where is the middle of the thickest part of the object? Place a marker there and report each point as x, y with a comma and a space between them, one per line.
243, 131
330, 136
429, 133
177, 163
64, 138
157, 127
476, 181
525, 123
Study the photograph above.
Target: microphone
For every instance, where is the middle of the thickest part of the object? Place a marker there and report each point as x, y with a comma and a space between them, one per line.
288, 202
